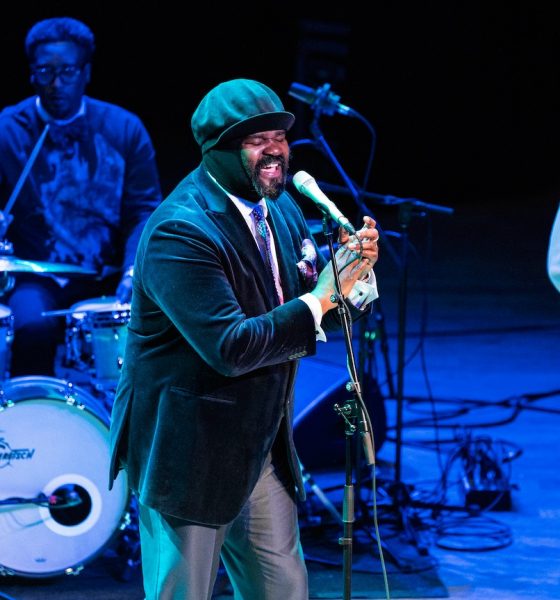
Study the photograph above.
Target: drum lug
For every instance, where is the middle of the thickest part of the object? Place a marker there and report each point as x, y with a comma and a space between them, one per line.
70, 397
4, 402
126, 521
5, 572
74, 570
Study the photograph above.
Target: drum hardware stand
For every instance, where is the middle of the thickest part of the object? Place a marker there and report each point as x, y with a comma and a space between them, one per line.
128, 548
398, 491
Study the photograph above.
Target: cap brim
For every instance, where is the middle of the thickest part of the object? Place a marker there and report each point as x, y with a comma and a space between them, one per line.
270, 121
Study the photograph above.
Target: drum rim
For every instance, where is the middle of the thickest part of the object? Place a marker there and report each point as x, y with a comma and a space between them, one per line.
30, 383
107, 304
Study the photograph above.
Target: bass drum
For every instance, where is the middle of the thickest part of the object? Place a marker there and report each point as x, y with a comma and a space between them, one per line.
56, 512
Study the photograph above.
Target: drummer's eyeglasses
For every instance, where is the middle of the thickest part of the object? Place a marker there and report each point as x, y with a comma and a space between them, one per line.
67, 74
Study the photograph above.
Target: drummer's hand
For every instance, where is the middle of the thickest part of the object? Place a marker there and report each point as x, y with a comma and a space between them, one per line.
124, 290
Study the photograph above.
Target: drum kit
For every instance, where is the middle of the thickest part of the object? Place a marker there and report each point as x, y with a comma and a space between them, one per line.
56, 511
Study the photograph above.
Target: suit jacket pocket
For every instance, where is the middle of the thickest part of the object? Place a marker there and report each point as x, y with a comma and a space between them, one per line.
186, 393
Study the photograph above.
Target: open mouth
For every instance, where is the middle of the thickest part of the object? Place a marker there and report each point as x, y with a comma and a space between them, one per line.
272, 170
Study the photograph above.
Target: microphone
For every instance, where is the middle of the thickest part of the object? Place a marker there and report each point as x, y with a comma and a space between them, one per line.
305, 184
320, 99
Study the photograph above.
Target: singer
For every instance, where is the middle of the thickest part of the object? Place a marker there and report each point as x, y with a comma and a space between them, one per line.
230, 292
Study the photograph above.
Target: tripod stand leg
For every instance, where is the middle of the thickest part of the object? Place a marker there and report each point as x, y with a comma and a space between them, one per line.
320, 494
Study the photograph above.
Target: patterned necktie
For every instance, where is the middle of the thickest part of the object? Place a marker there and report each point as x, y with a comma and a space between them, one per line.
263, 239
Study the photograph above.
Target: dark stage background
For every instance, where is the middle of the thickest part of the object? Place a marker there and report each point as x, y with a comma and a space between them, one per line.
463, 95
464, 98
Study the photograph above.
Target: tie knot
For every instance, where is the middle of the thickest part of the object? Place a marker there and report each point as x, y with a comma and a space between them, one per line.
260, 222
259, 212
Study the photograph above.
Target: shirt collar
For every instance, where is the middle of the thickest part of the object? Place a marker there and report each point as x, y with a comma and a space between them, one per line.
47, 118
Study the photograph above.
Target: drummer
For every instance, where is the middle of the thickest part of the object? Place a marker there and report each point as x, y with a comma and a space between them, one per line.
91, 185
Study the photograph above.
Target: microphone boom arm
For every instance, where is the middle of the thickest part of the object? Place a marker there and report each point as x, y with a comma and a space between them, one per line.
351, 188
389, 200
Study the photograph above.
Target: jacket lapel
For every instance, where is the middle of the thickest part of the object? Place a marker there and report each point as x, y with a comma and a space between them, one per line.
232, 226
285, 252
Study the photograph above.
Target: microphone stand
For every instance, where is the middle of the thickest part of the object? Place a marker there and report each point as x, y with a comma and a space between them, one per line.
408, 207
351, 411
348, 411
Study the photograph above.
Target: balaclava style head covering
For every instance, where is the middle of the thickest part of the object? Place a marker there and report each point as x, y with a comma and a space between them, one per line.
229, 112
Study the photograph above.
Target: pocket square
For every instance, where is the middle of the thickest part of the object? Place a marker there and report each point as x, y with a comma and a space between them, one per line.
307, 266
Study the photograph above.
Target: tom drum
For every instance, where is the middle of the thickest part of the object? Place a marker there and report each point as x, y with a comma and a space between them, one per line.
96, 331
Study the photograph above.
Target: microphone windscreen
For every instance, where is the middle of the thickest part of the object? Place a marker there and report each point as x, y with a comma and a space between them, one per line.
301, 179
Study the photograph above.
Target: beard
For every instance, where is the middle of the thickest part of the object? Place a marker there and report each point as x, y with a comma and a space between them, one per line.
273, 187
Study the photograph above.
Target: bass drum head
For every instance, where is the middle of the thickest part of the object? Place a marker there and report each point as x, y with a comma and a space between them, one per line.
56, 511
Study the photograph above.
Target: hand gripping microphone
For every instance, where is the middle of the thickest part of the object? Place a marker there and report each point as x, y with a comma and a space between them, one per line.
305, 184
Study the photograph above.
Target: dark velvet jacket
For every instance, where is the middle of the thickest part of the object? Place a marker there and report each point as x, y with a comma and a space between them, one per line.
210, 362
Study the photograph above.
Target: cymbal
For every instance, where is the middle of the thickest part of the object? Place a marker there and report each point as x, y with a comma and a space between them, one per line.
13, 264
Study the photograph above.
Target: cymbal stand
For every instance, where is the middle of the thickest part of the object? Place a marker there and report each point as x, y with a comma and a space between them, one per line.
399, 492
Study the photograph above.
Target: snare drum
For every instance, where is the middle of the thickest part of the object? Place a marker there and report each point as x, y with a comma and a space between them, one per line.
56, 512
6, 339
96, 331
